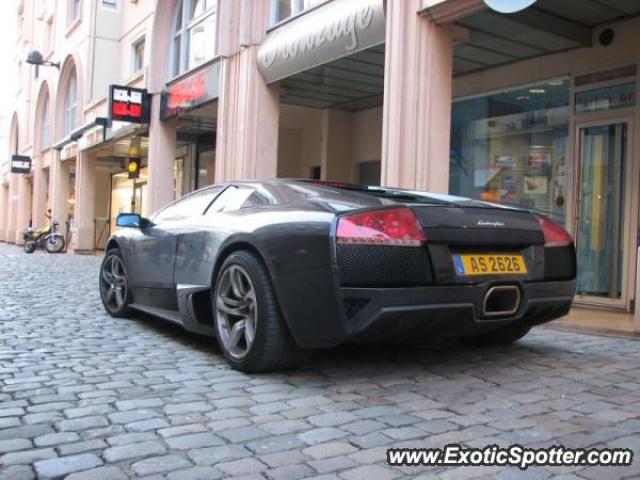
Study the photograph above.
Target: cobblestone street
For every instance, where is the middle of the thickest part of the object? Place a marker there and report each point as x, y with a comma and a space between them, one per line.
85, 396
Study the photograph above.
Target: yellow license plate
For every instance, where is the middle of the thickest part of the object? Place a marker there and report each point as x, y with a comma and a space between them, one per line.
490, 264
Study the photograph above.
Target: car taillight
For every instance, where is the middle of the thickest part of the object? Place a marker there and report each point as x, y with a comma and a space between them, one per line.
396, 226
554, 235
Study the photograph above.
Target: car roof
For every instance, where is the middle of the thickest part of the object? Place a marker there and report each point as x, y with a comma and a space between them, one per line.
332, 195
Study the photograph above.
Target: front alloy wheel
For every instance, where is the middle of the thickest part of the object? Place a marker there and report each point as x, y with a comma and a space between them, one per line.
54, 243
114, 289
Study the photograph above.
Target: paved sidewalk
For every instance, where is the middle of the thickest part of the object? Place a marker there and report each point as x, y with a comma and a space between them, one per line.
85, 395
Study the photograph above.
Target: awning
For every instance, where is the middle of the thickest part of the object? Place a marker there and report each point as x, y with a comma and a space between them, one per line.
547, 27
129, 141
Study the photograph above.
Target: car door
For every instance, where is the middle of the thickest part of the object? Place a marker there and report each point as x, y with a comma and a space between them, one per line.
153, 259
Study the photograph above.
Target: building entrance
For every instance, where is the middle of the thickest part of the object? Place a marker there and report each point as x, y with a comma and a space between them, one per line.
602, 217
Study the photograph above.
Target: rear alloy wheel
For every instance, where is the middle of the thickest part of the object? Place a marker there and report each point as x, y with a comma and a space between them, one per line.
249, 327
502, 336
114, 288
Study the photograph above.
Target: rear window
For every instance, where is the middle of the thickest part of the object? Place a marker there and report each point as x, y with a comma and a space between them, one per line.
402, 196
393, 194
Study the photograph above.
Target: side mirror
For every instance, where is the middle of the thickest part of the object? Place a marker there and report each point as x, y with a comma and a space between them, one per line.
129, 220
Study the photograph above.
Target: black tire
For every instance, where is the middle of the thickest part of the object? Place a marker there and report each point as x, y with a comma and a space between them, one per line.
56, 247
113, 308
29, 246
273, 347
502, 336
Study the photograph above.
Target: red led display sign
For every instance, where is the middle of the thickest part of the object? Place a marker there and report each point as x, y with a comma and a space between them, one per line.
127, 104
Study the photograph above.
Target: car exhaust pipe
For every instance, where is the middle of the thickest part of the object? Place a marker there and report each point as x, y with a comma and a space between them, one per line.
501, 301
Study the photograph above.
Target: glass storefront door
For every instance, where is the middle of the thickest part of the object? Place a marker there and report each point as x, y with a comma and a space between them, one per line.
601, 220
128, 195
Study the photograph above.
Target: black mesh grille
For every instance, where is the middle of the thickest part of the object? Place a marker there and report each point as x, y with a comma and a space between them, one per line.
377, 265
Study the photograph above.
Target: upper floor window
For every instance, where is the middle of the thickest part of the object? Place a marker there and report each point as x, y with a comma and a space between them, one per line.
281, 9
138, 55
194, 34
48, 36
70, 103
73, 11
20, 19
45, 125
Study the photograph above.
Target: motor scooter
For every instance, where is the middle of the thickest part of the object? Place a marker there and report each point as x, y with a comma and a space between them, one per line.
46, 237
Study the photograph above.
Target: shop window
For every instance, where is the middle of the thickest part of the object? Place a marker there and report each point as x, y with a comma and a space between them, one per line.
205, 165
70, 103
112, 4
71, 198
283, 9
194, 34
510, 147
137, 51
45, 125
128, 195
179, 188
369, 173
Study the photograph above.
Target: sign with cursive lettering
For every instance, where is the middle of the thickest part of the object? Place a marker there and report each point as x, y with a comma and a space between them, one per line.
197, 88
329, 32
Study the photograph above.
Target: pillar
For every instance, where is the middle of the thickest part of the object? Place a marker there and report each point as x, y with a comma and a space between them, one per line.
335, 154
40, 188
162, 152
59, 188
417, 100
248, 118
12, 210
636, 316
4, 210
85, 206
23, 207
248, 108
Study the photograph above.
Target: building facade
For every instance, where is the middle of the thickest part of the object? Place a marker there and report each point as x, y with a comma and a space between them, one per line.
537, 108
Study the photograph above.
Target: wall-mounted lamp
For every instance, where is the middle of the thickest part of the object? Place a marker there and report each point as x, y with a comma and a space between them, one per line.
35, 58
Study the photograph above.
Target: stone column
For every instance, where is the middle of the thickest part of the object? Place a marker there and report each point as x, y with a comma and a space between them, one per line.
335, 156
248, 118
85, 204
248, 108
417, 100
12, 209
23, 207
40, 188
59, 188
4, 210
162, 152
